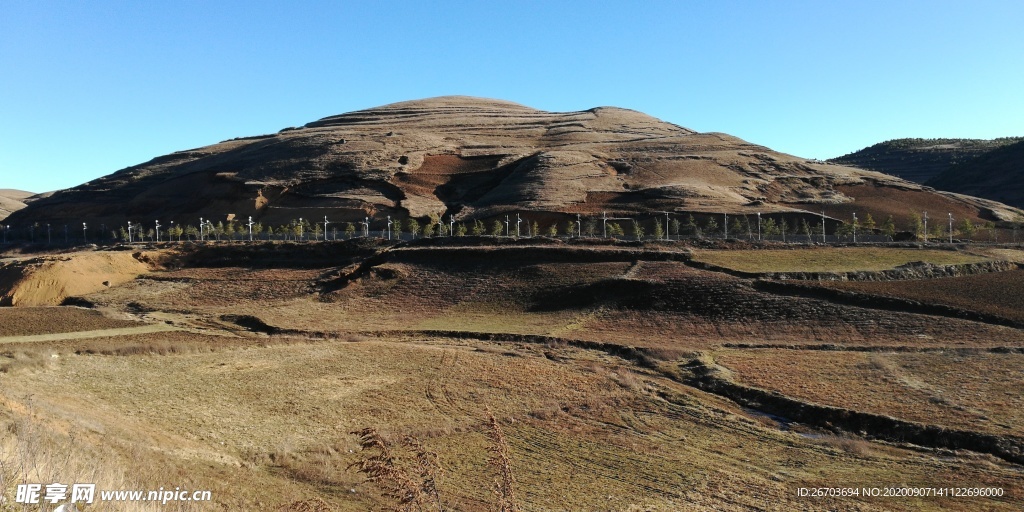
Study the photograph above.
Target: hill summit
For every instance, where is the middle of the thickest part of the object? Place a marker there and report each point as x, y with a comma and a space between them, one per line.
479, 158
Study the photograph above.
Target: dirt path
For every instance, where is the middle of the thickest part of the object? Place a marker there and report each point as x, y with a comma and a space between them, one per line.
101, 333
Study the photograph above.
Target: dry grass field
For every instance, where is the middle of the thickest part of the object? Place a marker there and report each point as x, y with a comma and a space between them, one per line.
268, 422
979, 391
255, 390
841, 259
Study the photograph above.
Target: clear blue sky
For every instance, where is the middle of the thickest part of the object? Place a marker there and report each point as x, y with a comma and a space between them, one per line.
87, 88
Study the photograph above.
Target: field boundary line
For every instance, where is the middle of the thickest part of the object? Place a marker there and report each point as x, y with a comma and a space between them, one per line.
99, 333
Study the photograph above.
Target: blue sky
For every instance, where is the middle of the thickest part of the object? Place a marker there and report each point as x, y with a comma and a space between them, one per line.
87, 88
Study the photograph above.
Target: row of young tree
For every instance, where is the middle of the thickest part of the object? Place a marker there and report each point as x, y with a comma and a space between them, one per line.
740, 226
734, 226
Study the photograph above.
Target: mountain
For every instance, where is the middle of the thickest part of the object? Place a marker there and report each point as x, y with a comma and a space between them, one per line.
12, 201
920, 160
481, 158
997, 174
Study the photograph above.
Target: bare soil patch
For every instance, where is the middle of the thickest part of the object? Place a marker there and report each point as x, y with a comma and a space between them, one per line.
58, 319
49, 280
998, 293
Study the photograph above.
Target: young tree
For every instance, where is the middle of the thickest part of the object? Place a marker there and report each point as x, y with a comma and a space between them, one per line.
638, 230
553, 230
218, 230
412, 226
783, 228
350, 229
497, 227
590, 227
735, 227
428, 230
711, 227
691, 225
434, 224
674, 226
967, 228
229, 230
844, 230
534, 229
460, 230
659, 232
869, 224
916, 225
889, 227
570, 228
307, 228
805, 228
317, 231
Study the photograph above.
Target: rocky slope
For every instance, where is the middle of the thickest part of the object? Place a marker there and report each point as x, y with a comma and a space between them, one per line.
479, 158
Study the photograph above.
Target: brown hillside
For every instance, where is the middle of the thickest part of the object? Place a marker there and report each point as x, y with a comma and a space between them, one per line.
471, 157
12, 201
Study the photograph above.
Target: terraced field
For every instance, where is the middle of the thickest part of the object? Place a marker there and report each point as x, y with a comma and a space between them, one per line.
998, 294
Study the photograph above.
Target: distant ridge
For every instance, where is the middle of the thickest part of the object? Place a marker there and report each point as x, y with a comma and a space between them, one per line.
997, 174
920, 160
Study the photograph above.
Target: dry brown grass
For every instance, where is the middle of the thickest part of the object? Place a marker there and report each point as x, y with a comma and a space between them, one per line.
964, 391
261, 419
835, 259
411, 479
278, 410
504, 487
